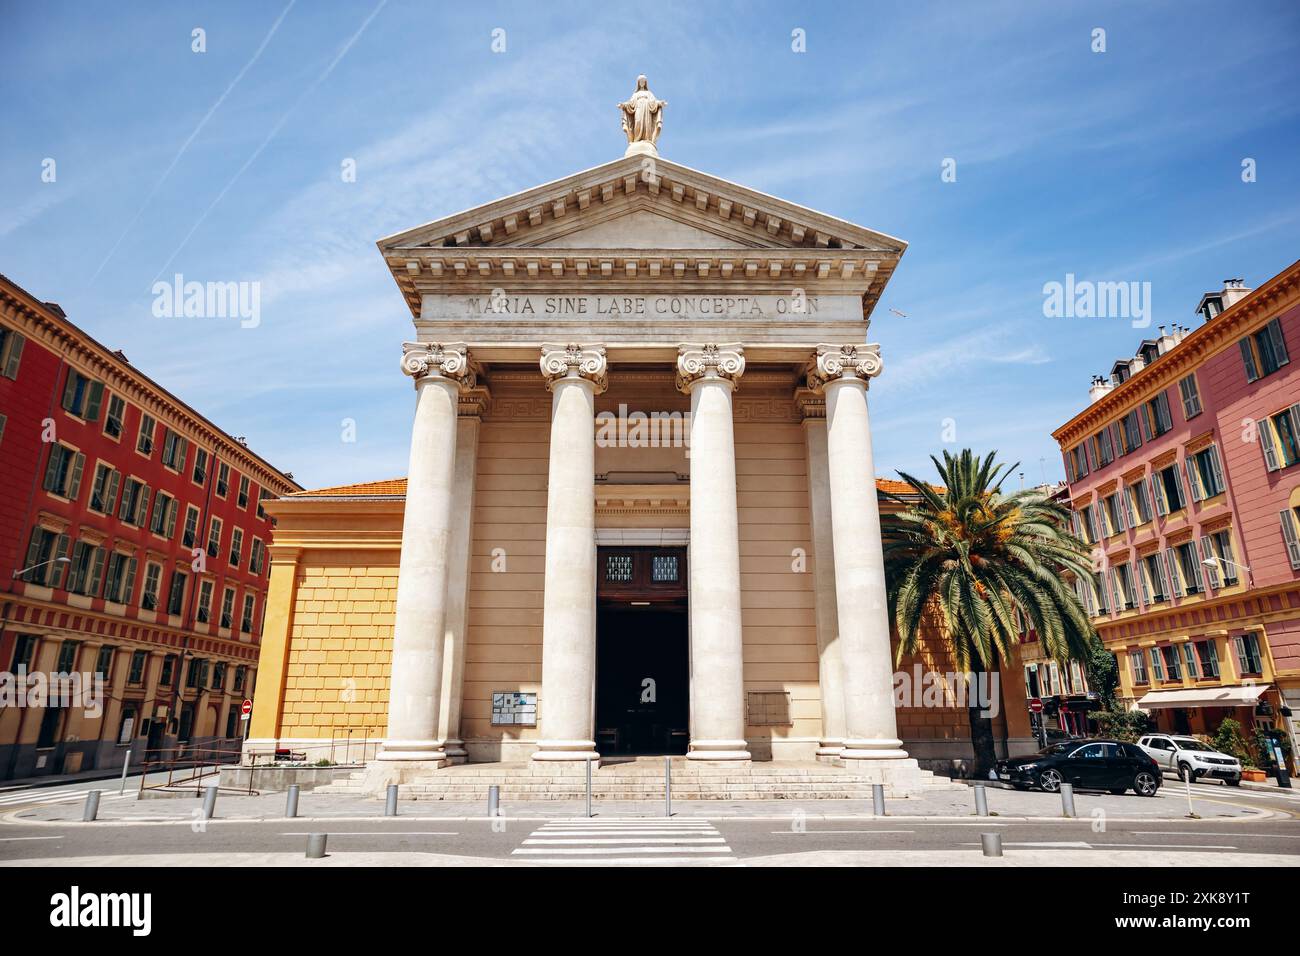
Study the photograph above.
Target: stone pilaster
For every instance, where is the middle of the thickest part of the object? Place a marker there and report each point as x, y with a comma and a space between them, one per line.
842, 374
419, 627
574, 374
709, 374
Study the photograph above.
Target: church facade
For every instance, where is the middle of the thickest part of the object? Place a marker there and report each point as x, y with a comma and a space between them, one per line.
640, 516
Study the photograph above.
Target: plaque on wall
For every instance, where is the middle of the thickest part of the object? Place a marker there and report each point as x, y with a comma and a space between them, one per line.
514, 708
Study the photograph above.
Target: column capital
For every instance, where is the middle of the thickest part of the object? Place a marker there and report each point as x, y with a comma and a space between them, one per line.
474, 401
810, 403
696, 363
832, 363
422, 360
573, 361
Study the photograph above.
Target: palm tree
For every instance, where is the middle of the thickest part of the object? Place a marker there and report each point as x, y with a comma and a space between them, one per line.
966, 555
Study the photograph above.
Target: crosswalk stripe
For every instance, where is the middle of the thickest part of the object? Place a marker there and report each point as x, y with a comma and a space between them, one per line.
592, 841
624, 849
627, 842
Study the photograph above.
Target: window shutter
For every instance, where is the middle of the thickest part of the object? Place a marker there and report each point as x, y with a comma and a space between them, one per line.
1200, 570
1268, 442
114, 481
95, 400
33, 550
171, 518
74, 482
142, 506
1178, 482
1193, 479
96, 572
1088, 602
15, 355
1279, 344
1175, 577
1117, 439
1145, 421
1289, 535
70, 390
1074, 523
58, 571
122, 507
52, 468
1294, 412
1166, 420
1166, 581
1126, 506
1216, 469
1158, 495
1093, 524
1248, 359
182, 451
1211, 571
1243, 666
1139, 570
130, 582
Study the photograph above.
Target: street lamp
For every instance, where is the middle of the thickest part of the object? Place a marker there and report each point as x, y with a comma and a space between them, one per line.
1214, 562
23, 571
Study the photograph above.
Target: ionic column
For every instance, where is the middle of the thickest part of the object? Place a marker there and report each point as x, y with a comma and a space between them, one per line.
420, 619
871, 729
574, 374
830, 671
709, 374
472, 402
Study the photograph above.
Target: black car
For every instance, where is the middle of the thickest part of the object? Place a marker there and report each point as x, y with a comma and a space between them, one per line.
1088, 764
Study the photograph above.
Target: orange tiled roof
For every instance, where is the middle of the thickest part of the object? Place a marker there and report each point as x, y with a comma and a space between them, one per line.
397, 486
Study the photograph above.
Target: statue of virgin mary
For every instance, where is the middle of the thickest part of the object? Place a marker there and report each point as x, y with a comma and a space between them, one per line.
643, 118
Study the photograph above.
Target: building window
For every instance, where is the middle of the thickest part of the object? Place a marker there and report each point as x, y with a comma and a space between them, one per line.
1248, 657
1218, 545
262, 496
1114, 512
1138, 665
144, 444
200, 473
1130, 432
1089, 520
121, 578
223, 480
204, 611
1205, 473
214, 538
194, 672
136, 674
1124, 575
1167, 490
134, 508
1209, 657
1141, 501
149, 593
227, 607
1103, 448
63, 471
1173, 667
168, 673
236, 547
11, 352
114, 417
246, 620
191, 532
176, 593
164, 515
1078, 461
82, 396
1191, 396
86, 570
243, 492
258, 553
1264, 352
241, 673
1279, 438
67, 657
104, 661
103, 492
1186, 564
218, 675
1189, 660
43, 552
1154, 566
175, 448
1158, 419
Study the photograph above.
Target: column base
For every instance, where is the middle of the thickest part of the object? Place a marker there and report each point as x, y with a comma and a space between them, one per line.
830, 747
380, 774
575, 752
859, 748
455, 750
719, 750
412, 750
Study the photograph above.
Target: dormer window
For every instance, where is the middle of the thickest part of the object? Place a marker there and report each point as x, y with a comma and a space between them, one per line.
1211, 306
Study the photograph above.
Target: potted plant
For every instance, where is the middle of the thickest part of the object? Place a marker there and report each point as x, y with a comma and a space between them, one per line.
1229, 739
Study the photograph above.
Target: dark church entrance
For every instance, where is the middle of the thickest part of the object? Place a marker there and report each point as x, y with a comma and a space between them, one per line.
642, 652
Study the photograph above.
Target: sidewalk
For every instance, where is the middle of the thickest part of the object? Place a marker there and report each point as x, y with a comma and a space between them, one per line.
1169, 804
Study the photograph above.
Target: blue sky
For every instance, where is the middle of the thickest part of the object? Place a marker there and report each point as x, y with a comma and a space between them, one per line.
225, 165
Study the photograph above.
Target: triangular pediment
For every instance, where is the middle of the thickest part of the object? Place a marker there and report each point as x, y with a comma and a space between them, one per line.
636, 226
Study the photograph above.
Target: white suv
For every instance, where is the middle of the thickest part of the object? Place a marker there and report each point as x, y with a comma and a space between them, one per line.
1191, 758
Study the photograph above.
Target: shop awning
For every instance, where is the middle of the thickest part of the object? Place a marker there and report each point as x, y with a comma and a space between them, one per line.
1204, 697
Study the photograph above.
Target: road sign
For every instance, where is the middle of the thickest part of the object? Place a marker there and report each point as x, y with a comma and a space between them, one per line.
1035, 705
246, 710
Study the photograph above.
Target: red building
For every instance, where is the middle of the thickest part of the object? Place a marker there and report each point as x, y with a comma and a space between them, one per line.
1184, 475
133, 551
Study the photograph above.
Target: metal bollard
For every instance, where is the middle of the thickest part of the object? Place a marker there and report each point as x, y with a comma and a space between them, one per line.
588, 763
316, 845
668, 786
1067, 799
878, 799
209, 801
981, 801
494, 801
390, 803
125, 763
92, 807
291, 802
991, 843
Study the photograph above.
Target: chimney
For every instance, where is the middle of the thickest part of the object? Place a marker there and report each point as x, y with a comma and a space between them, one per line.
1099, 389
1234, 290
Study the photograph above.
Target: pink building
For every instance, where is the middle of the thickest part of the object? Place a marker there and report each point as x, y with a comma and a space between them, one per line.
1184, 473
